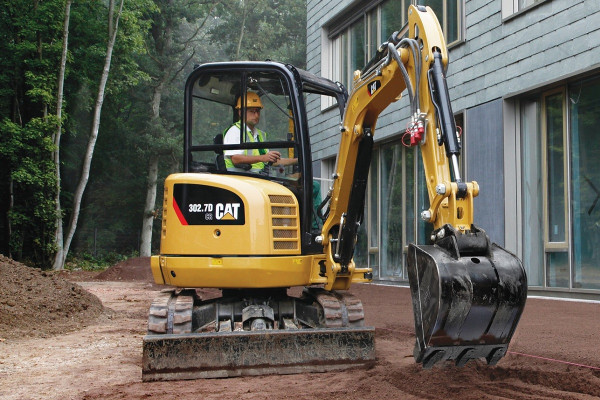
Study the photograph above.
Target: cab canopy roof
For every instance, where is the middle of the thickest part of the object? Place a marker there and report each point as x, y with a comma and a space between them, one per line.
219, 82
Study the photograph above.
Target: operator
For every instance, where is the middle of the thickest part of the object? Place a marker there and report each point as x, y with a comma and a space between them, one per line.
257, 158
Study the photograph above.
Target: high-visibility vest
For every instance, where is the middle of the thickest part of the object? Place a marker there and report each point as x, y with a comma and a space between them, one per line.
255, 152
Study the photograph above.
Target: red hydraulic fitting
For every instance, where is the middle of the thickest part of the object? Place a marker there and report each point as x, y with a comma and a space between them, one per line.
416, 133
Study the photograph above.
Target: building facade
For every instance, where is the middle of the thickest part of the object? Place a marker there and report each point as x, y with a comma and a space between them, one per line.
524, 81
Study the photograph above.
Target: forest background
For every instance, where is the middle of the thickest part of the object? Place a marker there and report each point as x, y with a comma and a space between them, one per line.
91, 113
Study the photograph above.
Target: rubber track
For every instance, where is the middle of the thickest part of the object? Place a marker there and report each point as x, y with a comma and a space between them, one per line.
339, 309
171, 312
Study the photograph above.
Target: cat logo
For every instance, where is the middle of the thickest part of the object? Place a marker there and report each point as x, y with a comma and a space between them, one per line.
207, 205
373, 87
227, 211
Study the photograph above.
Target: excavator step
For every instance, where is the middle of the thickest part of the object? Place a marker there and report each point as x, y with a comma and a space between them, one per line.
241, 353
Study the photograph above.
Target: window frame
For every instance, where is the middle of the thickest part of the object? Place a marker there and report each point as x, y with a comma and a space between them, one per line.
512, 8
558, 266
337, 38
549, 245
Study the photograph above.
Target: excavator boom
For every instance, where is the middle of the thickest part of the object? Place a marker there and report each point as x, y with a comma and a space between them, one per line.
468, 294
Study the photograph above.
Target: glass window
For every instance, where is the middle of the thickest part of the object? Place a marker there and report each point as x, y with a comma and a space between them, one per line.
373, 38
344, 60
557, 269
393, 17
531, 184
373, 201
207, 122
557, 257
449, 14
585, 181
392, 214
351, 49
555, 162
358, 47
510, 7
567, 216
424, 229
527, 3
212, 110
215, 96
390, 210
453, 20
373, 215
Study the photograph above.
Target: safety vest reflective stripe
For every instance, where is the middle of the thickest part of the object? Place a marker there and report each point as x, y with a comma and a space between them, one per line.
255, 152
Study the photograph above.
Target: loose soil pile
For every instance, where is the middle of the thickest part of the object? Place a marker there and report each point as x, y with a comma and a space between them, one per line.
131, 270
35, 303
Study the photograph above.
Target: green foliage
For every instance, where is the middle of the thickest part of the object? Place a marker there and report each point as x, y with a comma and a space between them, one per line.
26, 151
263, 29
89, 262
158, 40
30, 42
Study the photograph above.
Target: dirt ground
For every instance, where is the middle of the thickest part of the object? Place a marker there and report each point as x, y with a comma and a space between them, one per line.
79, 336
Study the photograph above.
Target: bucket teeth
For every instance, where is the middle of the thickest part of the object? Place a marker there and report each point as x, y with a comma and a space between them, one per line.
494, 356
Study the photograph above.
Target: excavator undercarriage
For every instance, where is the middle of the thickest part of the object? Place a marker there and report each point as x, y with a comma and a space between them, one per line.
248, 332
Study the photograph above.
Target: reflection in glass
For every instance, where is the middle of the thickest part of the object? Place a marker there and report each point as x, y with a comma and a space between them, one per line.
585, 181
555, 153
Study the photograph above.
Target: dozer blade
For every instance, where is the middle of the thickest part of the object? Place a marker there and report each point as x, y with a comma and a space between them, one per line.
465, 307
230, 354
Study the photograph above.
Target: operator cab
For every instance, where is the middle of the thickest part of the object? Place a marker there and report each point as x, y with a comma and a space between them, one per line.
218, 96
222, 99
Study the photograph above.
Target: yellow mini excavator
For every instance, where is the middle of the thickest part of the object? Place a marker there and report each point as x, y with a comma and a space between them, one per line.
253, 227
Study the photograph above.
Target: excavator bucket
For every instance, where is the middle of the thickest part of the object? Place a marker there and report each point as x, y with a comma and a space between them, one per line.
467, 300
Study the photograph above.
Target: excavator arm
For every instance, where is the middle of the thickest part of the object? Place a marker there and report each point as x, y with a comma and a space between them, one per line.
468, 294
402, 64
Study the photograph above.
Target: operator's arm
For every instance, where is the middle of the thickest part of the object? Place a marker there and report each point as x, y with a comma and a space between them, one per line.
286, 161
271, 156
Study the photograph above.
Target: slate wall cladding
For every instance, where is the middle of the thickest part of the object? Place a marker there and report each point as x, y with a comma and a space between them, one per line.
498, 58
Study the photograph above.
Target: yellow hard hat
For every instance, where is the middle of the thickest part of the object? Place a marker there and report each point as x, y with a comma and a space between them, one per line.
252, 101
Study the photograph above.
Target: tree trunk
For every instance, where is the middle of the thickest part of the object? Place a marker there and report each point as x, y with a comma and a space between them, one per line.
58, 234
149, 212
242, 29
11, 204
87, 161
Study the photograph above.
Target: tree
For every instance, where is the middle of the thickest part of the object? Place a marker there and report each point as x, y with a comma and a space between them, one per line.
263, 29
61, 254
30, 45
58, 235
